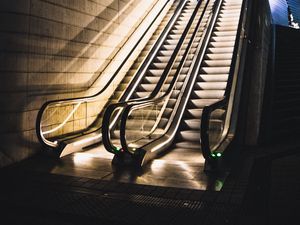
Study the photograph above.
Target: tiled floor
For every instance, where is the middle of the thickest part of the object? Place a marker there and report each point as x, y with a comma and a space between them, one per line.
170, 170
285, 190
262, 187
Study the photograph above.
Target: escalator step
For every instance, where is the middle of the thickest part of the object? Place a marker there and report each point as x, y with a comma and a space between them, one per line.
214, 78
221, 39
225, 19
214, 63
210, 86
194, 113
218, 56
197, 113
229, 14
221, 44
220, 50
200, 103
209, 94
168, 47
189, 135
164, 59
215, 70
189, 145
154, 80
192, 124
168, 52
127, 79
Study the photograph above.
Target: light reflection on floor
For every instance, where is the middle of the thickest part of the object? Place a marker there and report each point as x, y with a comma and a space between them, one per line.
182, 169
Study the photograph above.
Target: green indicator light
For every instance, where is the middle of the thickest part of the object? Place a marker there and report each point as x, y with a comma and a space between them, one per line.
219, 154
213, 155
117, 148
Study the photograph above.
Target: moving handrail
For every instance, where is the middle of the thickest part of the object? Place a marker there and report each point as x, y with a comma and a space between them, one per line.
81, 100
126, 107
230, 102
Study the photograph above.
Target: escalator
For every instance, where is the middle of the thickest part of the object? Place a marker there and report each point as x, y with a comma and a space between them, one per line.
212, 78
173, 121
155, 73
158, 70
139, 81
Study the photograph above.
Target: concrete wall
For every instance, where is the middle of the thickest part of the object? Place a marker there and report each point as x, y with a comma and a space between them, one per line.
53, 49
282, 113
259, 55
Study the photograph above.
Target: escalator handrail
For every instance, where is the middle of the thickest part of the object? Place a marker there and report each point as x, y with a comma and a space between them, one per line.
229, 97
125, 104
204, 134
40, 136
168, 92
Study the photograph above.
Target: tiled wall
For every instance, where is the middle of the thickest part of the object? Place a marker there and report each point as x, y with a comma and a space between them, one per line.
53, 49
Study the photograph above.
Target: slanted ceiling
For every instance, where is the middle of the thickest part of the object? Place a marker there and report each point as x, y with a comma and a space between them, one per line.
279, 10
